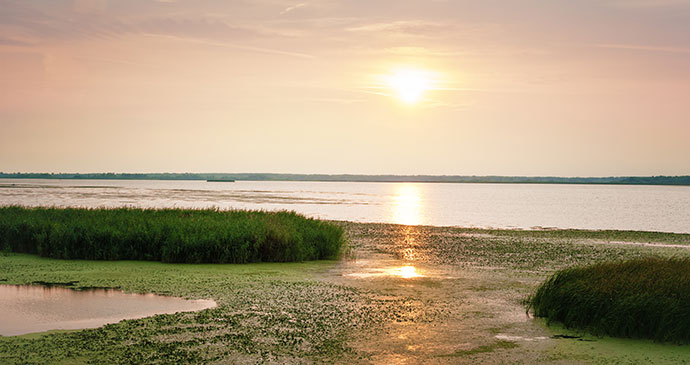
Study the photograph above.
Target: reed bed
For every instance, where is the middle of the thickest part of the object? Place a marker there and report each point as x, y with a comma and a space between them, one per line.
168, 235
645, 298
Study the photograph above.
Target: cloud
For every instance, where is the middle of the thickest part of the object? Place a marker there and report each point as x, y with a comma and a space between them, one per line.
636, 47
203, 27
83, 20
293, 7
416, 27
89, 6
649, 3
234, 46
14, 42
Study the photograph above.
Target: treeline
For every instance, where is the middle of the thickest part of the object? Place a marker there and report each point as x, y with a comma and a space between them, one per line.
168, 235
613, 180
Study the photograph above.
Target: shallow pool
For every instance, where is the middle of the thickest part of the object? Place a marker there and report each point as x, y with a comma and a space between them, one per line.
36, 308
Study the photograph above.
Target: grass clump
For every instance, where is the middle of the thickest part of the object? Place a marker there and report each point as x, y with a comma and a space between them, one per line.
639, 298
168, 235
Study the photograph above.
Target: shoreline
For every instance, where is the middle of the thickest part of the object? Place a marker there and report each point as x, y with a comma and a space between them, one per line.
535, 230
493, 230
682, 180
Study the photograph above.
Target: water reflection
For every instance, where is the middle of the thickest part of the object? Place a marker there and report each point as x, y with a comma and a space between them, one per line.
404, 272
407, 204
35, 308
408, 244
644, 208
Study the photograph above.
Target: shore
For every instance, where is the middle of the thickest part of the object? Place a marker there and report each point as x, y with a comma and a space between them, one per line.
401, 294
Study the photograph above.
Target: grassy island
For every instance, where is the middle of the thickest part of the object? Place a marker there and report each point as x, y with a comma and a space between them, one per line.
639, 298
168, 235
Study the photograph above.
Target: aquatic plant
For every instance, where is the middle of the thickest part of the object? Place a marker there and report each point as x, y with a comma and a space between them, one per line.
639, 298
168, 235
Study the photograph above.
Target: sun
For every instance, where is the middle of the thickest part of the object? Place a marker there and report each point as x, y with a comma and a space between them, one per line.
410, 85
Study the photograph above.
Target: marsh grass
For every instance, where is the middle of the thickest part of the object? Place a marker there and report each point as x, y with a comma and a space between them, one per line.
639, 298
168, 235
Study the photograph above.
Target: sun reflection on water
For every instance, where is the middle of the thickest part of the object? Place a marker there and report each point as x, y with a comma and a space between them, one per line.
407, 204
405, 272
407, 244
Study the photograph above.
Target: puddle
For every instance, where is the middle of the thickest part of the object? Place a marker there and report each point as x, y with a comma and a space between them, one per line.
366, 269
35, 308
520, 338
405, 272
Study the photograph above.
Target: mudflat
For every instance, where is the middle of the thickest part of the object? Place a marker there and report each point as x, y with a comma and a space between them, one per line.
400, 294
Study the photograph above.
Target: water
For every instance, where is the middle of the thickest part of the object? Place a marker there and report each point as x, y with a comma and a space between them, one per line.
35, 308
648, 208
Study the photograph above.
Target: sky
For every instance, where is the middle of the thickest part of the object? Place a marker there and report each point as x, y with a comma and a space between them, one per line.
491, 87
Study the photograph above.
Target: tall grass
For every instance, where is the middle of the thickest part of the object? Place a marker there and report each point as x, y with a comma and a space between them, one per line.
640, 298
168, 235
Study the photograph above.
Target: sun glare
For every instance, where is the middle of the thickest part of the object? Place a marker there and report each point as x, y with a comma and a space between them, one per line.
406, 272
410, 85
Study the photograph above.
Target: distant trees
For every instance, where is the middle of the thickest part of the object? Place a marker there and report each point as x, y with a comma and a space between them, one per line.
615, 180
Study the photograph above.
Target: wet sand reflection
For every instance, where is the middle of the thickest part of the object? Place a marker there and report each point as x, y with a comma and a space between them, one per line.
403, 272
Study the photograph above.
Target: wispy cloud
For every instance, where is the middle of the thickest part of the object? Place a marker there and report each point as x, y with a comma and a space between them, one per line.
637, 47
83, 23
292, 8
649, 3
401, 26
233, 46
14, 42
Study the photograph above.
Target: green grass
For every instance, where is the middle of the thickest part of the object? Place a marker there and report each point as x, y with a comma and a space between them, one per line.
646, 298
168, 235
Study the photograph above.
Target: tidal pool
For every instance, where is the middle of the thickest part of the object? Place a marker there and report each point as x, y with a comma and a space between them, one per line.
36, 308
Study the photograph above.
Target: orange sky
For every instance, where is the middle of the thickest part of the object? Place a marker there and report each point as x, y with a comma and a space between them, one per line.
568, 88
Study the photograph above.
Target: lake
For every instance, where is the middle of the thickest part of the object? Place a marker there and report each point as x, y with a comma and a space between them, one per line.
624, 207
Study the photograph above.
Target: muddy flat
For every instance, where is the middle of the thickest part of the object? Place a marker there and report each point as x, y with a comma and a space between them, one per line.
467, 290
401, 294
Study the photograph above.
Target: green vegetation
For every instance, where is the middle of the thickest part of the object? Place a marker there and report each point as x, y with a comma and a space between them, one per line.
615, 180
313, 312
266, 313
639, 298
168, 235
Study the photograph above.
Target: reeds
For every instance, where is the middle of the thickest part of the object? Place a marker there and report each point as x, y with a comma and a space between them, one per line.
640, 298
168, 235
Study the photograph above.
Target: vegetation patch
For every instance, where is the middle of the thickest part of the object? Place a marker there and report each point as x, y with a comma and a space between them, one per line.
168, 235
279, 314
523, 250
639, 298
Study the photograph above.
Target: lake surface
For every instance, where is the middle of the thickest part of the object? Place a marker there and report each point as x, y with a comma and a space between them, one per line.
626, 207
36, 308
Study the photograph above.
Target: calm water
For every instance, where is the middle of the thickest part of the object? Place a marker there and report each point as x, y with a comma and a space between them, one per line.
34, 308
650, 208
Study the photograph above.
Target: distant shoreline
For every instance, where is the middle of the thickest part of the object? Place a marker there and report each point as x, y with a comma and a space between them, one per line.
614, 180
